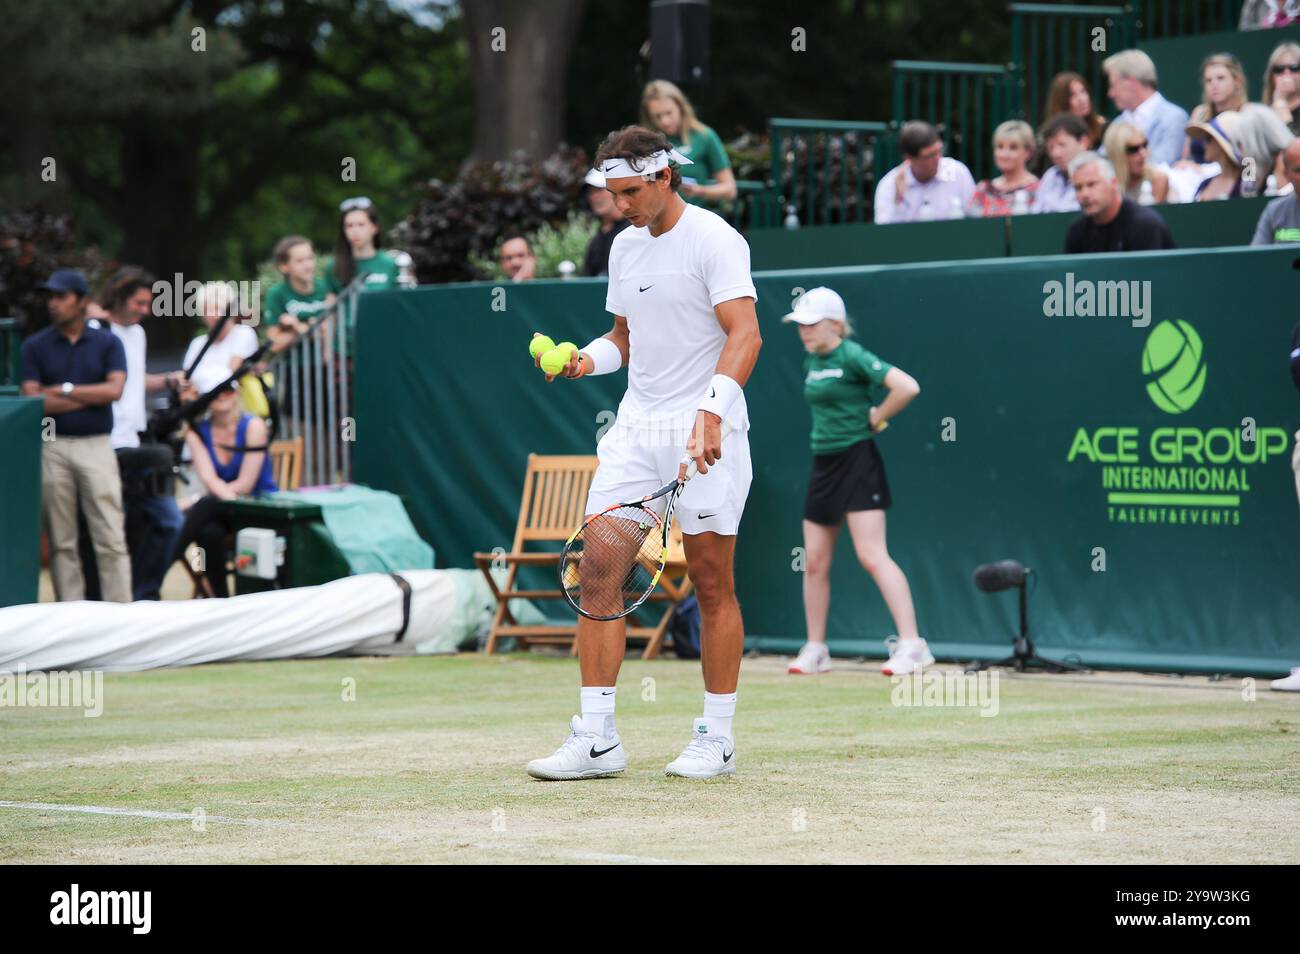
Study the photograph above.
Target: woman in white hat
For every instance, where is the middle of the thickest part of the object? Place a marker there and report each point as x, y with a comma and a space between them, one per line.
841, 383
1222, 137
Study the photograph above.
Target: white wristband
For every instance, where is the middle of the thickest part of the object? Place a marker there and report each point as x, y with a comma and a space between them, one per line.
605, 356
722, 393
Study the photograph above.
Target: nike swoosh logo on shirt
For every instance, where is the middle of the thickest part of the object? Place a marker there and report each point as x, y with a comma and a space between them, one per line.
647, 288
607, 693
596, 755
706, 516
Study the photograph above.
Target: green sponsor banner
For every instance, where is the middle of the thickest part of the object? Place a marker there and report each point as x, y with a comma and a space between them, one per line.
1120, 424
20, 500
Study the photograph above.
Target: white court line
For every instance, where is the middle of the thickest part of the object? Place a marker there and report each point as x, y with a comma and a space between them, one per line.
186, 816
131, 812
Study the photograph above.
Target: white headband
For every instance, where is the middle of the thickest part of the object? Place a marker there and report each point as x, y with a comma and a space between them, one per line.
622, 168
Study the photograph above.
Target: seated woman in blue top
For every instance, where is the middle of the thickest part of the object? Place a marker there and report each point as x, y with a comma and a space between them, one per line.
226, 472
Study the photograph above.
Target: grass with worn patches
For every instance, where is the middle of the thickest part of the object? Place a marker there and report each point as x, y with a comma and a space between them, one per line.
427, 765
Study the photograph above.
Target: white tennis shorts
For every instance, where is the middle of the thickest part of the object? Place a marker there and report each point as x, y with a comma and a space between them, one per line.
635, 462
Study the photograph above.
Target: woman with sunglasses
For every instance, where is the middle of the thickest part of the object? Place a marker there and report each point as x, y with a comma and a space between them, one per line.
1282, 85
228, 449
355, 252
1129, 150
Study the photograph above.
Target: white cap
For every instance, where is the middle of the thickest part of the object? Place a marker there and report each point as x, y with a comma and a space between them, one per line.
816, 304
207, 376
595, 178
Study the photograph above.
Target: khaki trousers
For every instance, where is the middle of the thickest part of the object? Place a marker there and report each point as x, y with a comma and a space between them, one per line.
84, 469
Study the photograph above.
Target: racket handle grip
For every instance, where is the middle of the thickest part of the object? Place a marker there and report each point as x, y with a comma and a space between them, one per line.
692, 468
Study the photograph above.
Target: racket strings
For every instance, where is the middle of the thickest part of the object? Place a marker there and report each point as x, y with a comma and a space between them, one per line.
613, 562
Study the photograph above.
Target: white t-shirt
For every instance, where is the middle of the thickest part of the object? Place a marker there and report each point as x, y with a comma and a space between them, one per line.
129, 411
666, 288
240, 341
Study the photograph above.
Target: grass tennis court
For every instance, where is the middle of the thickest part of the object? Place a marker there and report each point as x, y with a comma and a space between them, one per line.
1169, 770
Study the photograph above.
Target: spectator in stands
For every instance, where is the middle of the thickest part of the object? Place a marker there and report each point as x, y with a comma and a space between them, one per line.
232, 344
1263, 135
1132, 78
1069, 94
1222, 138
708, 178
1268, 14
1064, 137
1011, 193
229, 450
517, 258
1127, 147
79, 371
1282, 85
1110, 222
152, 518
292, 303
927, 185
1280, 220
596, 261
355, 252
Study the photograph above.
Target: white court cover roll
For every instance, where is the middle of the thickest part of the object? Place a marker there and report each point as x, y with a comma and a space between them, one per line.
354, 614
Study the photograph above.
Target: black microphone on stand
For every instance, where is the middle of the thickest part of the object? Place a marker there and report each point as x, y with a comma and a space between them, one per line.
1003, 575
1012, 575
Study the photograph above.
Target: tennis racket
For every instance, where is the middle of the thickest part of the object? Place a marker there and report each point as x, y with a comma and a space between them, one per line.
613, 562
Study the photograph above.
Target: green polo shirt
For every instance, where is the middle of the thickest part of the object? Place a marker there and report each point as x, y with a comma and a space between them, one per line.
379, 271
840, 388
284, 299
708, 157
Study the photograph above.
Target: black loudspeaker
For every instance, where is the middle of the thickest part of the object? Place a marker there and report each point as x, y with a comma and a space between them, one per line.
679, 41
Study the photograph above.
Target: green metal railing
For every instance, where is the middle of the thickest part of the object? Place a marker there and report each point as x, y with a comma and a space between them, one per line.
757, 206
965, 100
11, 341
827, 169
1162, 18
1047, 39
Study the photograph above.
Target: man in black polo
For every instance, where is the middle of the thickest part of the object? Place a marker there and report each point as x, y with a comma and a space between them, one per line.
596, 261
78, 371
1110, 222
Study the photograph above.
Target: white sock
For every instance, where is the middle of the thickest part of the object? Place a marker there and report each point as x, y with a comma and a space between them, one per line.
598, 710
719, 709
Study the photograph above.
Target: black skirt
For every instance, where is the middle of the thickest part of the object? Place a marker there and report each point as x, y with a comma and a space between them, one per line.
853, 479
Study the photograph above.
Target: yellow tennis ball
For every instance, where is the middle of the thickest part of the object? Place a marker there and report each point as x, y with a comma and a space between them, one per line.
553, 361
572, 348
540, 345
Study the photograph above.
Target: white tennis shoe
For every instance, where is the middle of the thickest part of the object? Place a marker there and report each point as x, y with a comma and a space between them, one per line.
584, 754
908, 656
813, 658
1290, 683
705, 756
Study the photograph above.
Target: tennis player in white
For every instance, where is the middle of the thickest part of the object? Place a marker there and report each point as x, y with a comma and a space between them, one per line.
685, 326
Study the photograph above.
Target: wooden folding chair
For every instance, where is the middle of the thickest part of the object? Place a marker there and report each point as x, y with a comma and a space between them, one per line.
286, 462
550, 508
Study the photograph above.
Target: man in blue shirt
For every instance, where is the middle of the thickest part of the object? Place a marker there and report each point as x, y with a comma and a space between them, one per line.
1132, 78
78, 371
